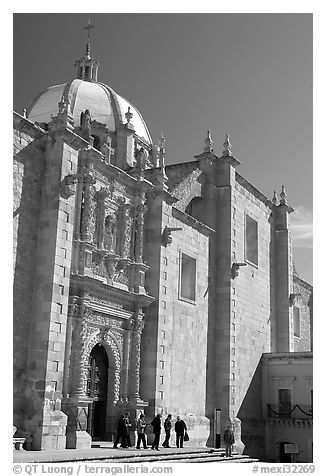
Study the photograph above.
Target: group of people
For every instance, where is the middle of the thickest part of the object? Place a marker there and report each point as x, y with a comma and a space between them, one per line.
179, 427
124, 427
180, 430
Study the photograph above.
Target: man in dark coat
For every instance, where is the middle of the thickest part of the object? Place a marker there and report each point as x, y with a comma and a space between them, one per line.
180, 428
127, 426
228, 440
167, 428
120, 433
156, 423
123, 431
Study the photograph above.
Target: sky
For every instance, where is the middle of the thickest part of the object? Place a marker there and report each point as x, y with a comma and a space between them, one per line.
249, 75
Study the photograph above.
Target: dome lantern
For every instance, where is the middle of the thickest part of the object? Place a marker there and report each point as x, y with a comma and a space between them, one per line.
87, 67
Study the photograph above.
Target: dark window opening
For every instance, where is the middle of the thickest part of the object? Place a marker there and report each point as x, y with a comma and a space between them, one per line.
251, 232
188, 278
97, 142
284, 401
296, 321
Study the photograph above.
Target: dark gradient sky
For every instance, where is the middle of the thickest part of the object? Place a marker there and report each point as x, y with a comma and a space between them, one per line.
246, 74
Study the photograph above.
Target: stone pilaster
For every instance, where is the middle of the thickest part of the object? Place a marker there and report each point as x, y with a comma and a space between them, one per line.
47, 339
139, 228
76, 406
283, 276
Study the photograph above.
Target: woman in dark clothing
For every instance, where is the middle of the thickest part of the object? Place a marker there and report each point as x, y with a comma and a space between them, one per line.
167, 428
180, 428
156, 423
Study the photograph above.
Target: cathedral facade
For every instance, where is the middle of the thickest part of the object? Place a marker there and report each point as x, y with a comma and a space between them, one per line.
138, 285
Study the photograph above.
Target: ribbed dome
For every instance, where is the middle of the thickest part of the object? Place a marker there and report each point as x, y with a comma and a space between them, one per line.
104, 105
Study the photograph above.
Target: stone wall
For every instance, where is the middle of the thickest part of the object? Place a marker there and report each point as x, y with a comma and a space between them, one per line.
250, 291
175, 335
27, 181
303, 300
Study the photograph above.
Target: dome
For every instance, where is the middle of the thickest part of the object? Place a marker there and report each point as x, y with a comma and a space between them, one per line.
103, 103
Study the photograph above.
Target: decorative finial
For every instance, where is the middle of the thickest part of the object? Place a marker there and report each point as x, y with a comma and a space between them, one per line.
208, 142
275, 199
161, 141
128, 115
227, 146
283, 196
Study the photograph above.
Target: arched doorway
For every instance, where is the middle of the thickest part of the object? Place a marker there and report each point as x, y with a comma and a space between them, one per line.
97, 386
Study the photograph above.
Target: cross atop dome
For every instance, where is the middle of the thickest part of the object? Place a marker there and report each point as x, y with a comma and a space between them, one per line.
88, 44
87, 67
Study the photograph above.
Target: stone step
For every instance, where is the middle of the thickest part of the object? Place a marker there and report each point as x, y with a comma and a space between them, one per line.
191, 456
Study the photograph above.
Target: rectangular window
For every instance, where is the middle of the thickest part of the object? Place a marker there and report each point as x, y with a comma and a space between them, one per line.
284, 401
251, 233
188, 278
296, 321
161, 395
161, 379
162, 364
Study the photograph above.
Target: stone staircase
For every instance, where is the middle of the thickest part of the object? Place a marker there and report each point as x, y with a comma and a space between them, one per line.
103, 452
174, 455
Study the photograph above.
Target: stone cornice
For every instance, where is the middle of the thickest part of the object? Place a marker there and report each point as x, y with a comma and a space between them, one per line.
69, 137
24, 125
297, 422
189, 220
111, 293
253, 190
112, 171
287, 355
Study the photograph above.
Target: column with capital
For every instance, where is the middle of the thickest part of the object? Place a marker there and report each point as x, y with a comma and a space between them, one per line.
139, 267
126, 227
139, 228
136, 405
134, 368
87, 227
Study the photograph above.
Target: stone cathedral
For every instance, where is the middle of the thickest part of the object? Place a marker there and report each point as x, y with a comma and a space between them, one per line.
137, 285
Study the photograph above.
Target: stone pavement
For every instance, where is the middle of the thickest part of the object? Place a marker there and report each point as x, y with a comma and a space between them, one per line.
130, 455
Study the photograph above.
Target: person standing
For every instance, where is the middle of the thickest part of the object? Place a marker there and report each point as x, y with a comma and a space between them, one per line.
121, 433
141, 425
180, 428
167, 428
228, 440
156, 423
127, 428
